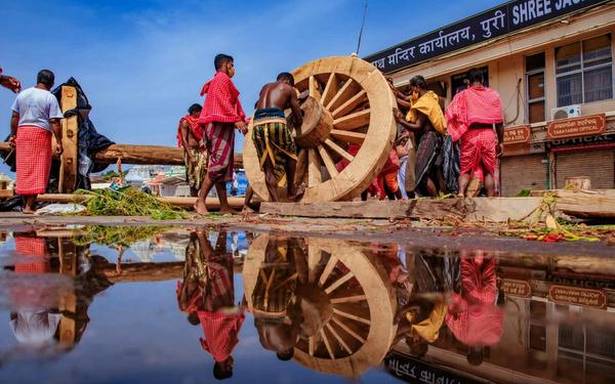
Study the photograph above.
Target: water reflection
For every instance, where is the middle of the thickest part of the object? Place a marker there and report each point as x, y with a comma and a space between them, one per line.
334, 307
207, 296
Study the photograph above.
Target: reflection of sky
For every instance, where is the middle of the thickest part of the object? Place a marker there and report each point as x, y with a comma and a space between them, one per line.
137, 335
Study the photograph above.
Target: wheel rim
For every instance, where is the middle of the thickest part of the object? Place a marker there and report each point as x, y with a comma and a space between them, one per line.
354, 96
355, 327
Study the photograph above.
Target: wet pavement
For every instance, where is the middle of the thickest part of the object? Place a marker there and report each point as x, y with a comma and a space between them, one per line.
160, 305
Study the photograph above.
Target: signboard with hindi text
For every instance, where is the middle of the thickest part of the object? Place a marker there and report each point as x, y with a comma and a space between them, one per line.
517, 135
514, 287
414, 370
509, 17
576, 127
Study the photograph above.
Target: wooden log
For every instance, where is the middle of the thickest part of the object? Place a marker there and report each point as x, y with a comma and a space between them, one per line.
139, 154
371, 209
67, 181
587, 204
180, 202
478, 209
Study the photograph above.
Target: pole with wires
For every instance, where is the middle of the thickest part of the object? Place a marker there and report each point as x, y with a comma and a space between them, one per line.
356, 53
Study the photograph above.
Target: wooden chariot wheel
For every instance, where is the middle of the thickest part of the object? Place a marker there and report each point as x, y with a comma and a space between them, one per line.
347, 302
347, 133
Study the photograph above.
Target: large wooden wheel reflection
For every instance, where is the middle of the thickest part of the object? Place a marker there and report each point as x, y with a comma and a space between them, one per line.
349, 103
350, 327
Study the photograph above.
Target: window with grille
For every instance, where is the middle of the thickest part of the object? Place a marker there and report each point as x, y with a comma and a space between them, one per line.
535, 80
584, 71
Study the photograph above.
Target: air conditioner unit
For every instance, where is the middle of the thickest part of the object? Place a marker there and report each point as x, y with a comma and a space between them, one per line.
566, 112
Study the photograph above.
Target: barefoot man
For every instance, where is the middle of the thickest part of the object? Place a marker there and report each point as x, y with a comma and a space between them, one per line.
190, 138
222, 114
274, 145
36, 114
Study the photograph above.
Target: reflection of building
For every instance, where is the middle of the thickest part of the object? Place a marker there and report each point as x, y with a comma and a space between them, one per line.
558, 325
549, 60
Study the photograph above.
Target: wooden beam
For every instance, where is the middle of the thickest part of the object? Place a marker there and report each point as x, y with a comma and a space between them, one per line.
499, 209
67, 180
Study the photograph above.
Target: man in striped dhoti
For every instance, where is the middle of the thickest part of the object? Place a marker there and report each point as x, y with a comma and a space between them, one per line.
274, 144
36, 114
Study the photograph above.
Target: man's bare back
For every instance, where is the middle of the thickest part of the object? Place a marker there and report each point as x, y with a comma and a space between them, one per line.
282, 96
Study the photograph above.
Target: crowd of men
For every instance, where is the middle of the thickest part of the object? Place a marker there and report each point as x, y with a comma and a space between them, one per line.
436, 151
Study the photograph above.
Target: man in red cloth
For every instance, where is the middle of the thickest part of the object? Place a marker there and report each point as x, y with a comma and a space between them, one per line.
36, 114
190, 138
10, 82
475, 118
222, 113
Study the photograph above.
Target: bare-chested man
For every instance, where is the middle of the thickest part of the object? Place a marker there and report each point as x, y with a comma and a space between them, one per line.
271, 135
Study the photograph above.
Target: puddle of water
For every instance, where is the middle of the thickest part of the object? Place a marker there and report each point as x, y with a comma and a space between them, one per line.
141, 304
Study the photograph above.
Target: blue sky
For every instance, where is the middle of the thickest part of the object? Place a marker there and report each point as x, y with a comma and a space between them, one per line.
142, 63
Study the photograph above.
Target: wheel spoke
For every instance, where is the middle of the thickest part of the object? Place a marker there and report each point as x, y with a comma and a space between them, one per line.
326, 340
350, 316
352, 121
311, 345
348, 299
350, 105
339, 283
314, 88
348, 330
339, 150
349, 136
327, 271
347, 91
330, 89
314, 173
338, 338
326, 158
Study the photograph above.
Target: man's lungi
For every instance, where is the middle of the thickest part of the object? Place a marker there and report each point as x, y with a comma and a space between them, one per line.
33, 160
478, 150
221, 151
273, 140
196, 166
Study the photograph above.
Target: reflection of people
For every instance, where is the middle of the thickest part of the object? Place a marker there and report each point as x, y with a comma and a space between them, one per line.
275, 304
48, 313
207, 295
473, 317
34, 324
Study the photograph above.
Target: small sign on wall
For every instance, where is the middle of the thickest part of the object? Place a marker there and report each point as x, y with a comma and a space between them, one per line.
577, 127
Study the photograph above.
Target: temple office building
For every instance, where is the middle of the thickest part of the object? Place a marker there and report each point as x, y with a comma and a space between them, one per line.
552, 63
